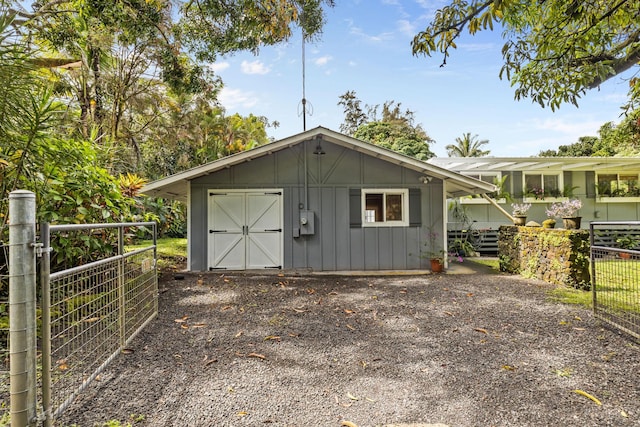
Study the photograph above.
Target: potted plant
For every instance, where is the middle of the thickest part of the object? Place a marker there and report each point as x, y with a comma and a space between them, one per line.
436, 256
549, 223
568, 211
629, 242
519, 211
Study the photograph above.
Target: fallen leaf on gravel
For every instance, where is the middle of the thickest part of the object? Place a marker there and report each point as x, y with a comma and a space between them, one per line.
182, 319
299, 310
127, 351
200, 282
348, 424
311, 291
294, 335
448, 313
588, 396
470, 294
509, 368
280, 275
238, 334
226, 307
198, 325
332, 293
272, 338
257, 355
184, 326
580, 329
347, 311
484, 331
352, 397
624, 414
242, 414
351, 327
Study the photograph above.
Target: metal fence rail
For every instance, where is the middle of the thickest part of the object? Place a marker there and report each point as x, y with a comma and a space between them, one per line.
616, 276
90, 313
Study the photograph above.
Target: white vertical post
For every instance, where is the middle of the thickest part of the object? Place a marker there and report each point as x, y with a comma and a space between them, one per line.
22, 307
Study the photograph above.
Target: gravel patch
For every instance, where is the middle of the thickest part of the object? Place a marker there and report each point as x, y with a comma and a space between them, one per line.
292, 350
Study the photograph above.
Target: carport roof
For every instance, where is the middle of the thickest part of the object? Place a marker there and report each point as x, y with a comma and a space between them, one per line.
532, 164
176, 186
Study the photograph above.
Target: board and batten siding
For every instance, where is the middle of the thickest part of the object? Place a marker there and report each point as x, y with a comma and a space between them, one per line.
336, 244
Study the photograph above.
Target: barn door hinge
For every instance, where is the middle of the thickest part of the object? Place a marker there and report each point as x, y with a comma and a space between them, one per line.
216, 268
279, 230
277, 267
217, 194
217, 231
277, 193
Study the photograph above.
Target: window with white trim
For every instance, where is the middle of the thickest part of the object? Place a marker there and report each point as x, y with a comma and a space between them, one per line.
489, 177
618, 184
385, 207
541, 185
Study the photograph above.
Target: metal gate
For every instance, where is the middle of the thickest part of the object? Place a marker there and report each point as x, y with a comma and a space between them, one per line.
615, 274
88, 313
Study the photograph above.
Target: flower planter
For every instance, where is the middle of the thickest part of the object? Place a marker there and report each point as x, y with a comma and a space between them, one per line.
571, 223
437, 266
519, 220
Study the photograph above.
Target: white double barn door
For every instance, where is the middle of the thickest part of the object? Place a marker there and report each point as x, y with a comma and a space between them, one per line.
245, 229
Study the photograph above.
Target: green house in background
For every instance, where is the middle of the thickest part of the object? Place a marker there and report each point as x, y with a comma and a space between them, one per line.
609, 187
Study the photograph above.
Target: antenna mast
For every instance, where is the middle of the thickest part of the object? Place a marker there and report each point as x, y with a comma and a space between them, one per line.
304, 99
302, 109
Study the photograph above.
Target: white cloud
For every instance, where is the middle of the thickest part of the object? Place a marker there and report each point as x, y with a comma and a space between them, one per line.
236, 98
569, 126
477, 47
406, 28
323, 60
357, 31
254, 67
217, 67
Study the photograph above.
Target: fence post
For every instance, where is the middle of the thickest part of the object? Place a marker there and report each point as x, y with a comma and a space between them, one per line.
22, 307
45, 283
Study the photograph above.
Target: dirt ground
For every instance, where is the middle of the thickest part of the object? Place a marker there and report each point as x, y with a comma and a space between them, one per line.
259, 349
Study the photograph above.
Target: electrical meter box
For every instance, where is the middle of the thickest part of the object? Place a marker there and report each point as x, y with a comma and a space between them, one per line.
307, 223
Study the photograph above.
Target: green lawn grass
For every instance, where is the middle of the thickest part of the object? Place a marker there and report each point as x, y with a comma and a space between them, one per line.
618, 287
172, 252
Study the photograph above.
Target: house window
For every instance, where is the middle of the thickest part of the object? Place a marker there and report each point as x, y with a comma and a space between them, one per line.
618, 185
491, 178
541, 185
385, 207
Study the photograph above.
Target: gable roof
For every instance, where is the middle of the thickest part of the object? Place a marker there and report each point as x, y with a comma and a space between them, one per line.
176, 186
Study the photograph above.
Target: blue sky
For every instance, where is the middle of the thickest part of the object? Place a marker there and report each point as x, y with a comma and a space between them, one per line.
365, 47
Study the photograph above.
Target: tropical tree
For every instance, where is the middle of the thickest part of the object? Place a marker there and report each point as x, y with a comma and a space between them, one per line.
354, 116
393, 128
555, 50
467, 146
622, 139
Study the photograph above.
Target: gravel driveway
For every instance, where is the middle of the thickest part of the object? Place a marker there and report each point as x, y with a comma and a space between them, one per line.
290, 350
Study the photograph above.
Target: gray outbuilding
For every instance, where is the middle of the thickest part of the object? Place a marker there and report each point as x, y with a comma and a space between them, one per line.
318, 200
